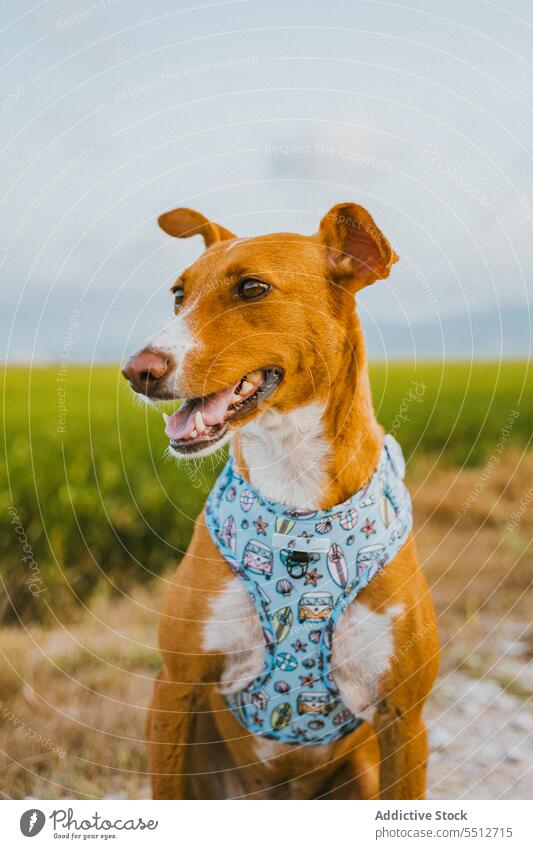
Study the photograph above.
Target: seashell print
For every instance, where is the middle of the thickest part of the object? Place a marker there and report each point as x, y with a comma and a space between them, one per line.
323, 526
281, 687
283, 525
284, 587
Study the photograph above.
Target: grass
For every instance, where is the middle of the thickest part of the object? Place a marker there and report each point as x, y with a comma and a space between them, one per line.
73, 708
456, 411
96, 504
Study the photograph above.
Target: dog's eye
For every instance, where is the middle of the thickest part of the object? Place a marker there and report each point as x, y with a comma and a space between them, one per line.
179, 295
251, 289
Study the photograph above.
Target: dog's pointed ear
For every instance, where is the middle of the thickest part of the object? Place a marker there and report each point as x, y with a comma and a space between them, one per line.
357, 251
184, 222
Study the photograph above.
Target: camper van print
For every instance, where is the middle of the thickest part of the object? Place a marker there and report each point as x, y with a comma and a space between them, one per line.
257, 557
319, 702
373, 556
315, 606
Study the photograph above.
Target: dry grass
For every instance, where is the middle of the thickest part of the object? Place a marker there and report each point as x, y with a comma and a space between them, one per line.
83, 688
480, 566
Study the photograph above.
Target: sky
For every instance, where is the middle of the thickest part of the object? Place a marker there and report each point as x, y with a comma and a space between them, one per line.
263, 116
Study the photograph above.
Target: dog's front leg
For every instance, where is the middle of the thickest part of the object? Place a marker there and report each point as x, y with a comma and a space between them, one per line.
182, 690
171, 734
404, 752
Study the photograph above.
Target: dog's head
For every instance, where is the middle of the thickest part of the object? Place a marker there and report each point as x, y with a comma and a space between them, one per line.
258, 322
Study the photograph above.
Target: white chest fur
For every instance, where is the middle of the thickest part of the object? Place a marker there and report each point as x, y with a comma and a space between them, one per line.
234, 628
362, 650
285, 455
362, 647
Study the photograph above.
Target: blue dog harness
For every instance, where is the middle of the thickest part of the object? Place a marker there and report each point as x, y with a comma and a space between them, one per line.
302, 568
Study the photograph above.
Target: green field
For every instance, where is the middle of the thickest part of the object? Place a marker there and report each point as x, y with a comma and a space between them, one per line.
95, 495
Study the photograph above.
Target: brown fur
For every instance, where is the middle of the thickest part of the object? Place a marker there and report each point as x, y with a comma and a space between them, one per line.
307, 325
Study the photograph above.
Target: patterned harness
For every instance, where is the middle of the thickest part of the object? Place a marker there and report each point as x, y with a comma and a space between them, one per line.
302, 568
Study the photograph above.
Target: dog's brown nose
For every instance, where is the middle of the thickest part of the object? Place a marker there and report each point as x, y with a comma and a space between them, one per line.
145, 370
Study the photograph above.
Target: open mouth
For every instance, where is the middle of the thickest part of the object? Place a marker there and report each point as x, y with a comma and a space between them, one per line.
202, 422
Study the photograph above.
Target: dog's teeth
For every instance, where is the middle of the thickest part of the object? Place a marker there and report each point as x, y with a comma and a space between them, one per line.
256, 376
194, 434
165, 417
247, 387
199, 422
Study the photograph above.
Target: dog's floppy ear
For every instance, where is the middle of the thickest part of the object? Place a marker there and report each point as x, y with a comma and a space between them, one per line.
357, 251
185, 222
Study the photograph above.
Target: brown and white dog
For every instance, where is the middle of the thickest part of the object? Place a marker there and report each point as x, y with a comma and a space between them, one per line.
265, 348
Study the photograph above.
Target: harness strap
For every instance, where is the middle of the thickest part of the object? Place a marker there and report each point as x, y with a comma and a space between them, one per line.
302, 568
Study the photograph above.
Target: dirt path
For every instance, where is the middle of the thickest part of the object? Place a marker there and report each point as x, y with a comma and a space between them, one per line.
480, 714
481, 740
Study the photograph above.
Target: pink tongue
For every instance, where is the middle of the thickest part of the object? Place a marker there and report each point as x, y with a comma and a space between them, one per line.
214, 408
